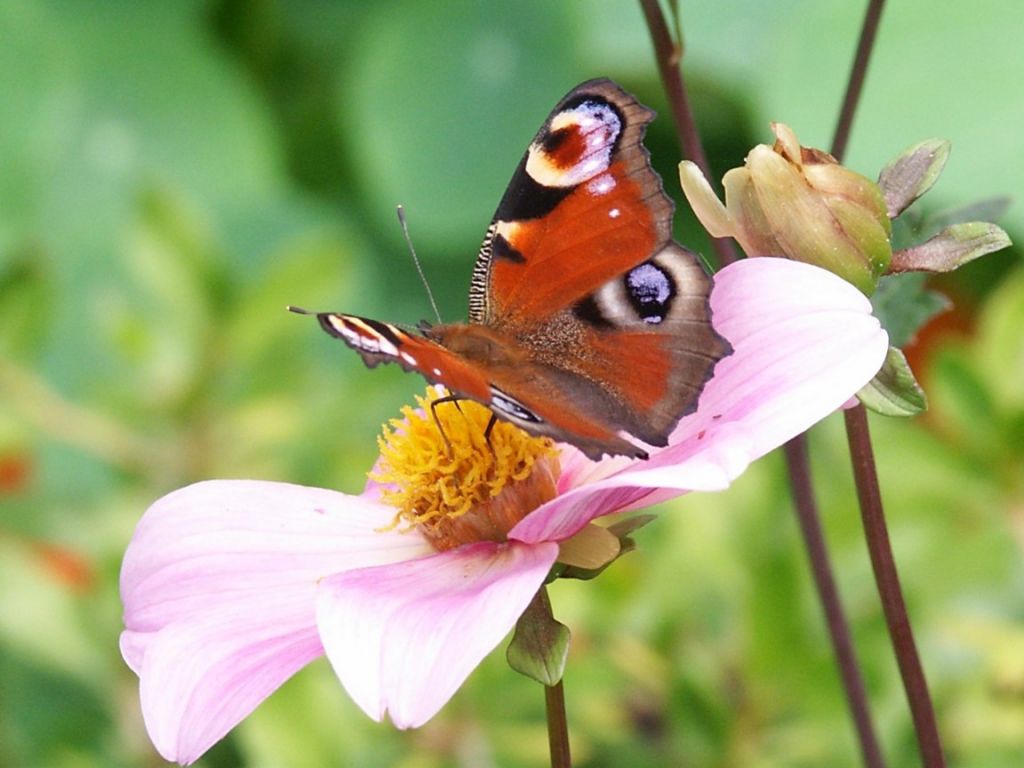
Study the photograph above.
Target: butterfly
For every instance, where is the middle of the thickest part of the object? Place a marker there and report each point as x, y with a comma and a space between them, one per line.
587, 323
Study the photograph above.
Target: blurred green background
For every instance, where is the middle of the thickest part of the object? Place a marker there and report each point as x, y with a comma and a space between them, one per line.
173, 174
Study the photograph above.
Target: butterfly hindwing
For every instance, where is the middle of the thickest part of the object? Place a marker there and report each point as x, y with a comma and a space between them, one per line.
649, 337
629, 360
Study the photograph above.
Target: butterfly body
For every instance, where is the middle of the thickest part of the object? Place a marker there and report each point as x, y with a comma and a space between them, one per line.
587, 323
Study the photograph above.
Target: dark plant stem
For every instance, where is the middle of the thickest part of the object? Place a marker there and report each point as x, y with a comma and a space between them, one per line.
798, 466
858, 73
866, 477
884, 565
669, 55
558, 729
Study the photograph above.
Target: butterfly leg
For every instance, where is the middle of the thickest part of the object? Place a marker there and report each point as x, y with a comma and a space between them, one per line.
433, 412
487, 431
455, 400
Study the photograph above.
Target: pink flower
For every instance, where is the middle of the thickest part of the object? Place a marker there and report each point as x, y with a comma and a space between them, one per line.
231, 586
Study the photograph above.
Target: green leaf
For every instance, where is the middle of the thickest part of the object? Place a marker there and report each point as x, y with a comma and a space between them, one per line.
894, 391
913, 173
953, 247
540, 644
904, 305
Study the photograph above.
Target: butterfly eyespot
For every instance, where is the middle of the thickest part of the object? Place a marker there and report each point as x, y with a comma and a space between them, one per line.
614, 213
512, 408
650, 290
576, 146
553, 141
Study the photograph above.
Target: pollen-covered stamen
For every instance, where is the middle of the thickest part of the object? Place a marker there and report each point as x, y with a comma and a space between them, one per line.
466, 491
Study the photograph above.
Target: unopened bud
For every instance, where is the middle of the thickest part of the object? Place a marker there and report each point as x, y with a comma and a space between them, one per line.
799, 203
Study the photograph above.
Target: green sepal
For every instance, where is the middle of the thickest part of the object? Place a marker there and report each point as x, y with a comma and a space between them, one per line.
540, 643
894, 391
621, 530
913, 173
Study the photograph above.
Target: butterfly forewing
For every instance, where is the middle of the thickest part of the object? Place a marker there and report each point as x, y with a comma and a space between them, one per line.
583, 206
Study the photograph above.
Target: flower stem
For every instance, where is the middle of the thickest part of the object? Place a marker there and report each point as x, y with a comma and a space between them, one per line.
866, 477
798, 466
558, 730
858, 73
887, 579
554, 703
669, 56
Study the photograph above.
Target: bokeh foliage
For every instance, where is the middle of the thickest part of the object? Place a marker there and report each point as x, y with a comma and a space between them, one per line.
173, 174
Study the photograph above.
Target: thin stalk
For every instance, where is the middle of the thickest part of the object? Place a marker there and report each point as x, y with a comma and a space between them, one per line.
558, 729
669, 55
884, 566
798, 466
858, 73
554, 699
869, 494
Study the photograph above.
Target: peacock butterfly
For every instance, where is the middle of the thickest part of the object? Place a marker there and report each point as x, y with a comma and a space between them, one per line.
587, 322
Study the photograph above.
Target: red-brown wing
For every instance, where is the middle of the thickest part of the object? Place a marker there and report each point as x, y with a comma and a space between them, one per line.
583, 206
537, 398
378, 342
544, 400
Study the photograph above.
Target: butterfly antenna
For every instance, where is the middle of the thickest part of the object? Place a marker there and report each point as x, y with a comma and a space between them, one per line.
415, 260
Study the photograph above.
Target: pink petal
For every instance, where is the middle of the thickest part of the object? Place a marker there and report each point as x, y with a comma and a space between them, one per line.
198, 679
219, 589
577, 469
804, 341
402, 638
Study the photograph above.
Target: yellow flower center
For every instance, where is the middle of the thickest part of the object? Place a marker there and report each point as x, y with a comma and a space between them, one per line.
462, 490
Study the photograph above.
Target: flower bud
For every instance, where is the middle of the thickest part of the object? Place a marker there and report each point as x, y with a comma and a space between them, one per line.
799, 203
